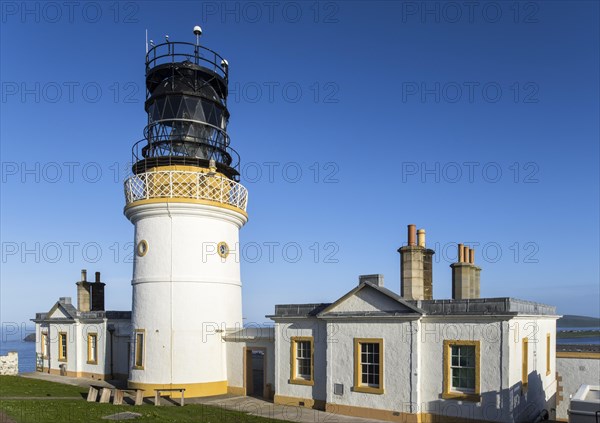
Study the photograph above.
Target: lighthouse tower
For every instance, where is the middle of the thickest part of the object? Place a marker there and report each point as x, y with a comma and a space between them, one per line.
187, 207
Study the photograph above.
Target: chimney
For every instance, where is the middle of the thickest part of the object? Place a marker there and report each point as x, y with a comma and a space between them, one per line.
465, 275
97, 294
83, 293
416, 267
475, 276
421, 238
412, 235
374, 279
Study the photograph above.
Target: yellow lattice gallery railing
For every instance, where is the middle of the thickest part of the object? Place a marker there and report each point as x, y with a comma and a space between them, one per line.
185, 184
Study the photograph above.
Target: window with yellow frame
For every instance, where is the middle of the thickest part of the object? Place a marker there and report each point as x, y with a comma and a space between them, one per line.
139, 349
302, 360
368, 365
44, 345
462, 367
525, 362
548, 356
92, 348
62, 346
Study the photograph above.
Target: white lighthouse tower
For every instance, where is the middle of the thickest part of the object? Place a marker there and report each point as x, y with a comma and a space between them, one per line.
187, 207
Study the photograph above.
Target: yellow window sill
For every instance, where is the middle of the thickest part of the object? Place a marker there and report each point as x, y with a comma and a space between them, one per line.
63, 360
368, 390
301, 382
138, 367
92, 362
459, 396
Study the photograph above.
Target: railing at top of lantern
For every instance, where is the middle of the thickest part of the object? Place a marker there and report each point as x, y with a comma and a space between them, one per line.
185, 184
173, 52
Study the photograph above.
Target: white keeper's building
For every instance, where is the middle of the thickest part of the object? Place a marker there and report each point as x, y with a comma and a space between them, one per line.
404, 357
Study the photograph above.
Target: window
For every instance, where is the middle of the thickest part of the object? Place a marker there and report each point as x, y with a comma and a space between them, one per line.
368, 365
44, 345
62, 346
139, 349
301, 360
548, 351
525, 365
461, 370
92, 348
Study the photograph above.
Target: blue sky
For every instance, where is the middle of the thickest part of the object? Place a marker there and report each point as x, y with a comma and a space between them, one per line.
479, 124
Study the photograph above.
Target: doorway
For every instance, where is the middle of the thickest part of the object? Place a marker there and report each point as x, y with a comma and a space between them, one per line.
255, 379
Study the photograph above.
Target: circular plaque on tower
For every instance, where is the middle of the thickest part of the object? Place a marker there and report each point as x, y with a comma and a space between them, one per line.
142, 248
223, 249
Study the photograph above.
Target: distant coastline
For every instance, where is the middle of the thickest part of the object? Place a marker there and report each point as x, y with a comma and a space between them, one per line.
569, 321
578, 334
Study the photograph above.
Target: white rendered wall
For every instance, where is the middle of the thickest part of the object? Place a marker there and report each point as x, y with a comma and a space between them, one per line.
284, 331
502, 395
413, 358
494, 365
541, 389
575, 372
184, 293
77, 346
82, 351
53, 329
397, 362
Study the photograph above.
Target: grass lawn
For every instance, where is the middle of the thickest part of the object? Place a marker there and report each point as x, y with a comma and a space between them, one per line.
80, 411
15, 386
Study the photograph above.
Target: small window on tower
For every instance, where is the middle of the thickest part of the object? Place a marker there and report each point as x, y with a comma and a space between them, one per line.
139, 349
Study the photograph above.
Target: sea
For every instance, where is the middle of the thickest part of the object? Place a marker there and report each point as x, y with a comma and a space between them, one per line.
26, 350
595, 340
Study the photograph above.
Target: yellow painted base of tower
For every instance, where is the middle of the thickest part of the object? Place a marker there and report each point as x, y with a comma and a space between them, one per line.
192, 390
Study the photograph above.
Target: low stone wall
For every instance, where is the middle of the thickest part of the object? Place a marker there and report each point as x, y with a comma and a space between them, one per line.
573, 369
9, 364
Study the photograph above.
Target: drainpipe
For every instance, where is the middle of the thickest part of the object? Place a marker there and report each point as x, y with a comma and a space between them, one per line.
111, 330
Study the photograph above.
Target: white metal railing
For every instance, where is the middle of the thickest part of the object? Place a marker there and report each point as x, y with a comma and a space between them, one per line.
185, 184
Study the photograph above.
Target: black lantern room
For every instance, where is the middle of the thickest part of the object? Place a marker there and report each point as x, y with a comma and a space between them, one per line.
186, 102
